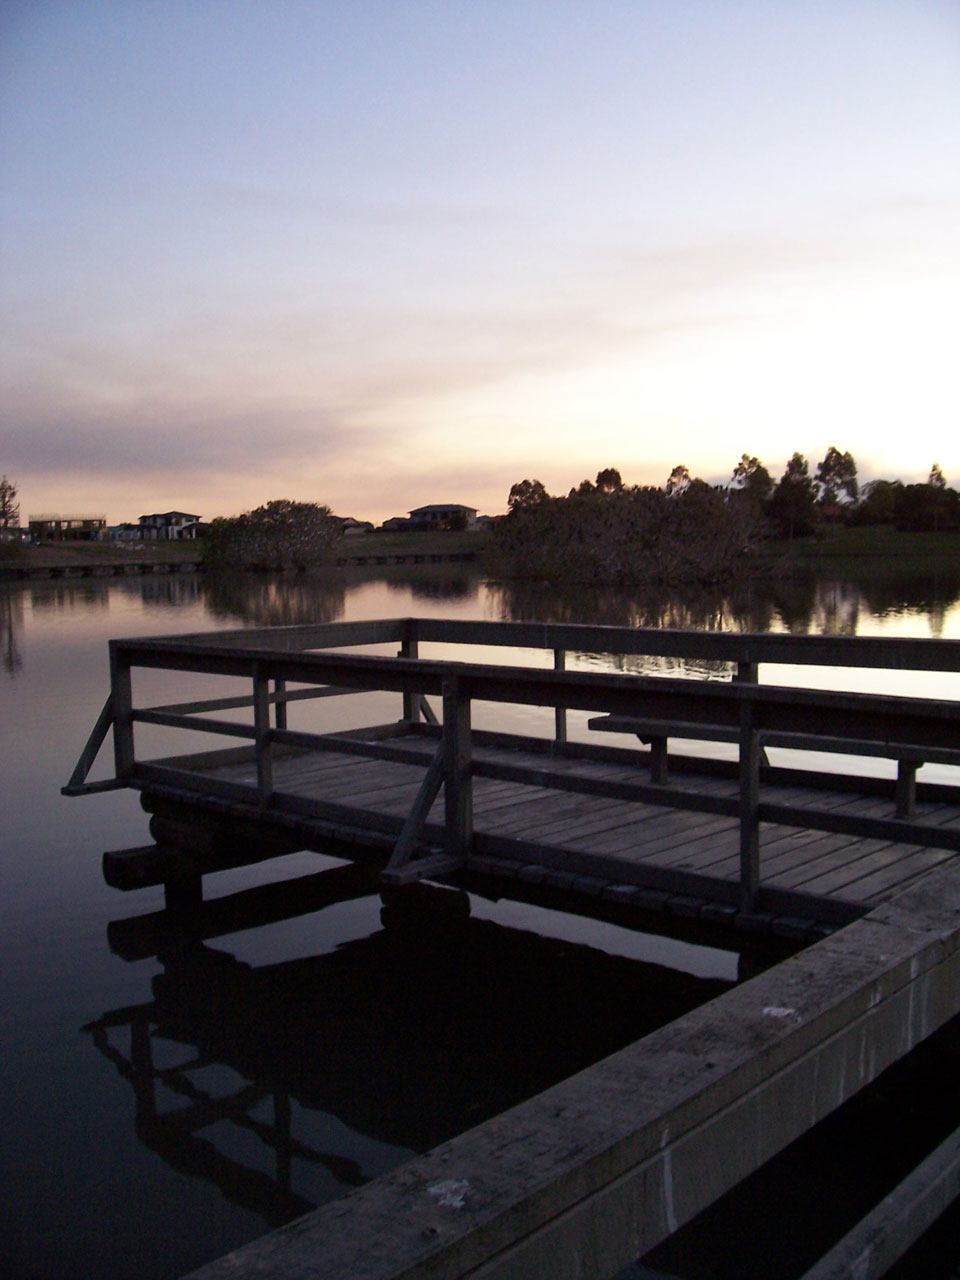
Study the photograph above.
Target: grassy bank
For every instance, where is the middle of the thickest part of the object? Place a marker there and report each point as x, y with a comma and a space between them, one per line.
90, 554
874, 550
53, 555
878, 549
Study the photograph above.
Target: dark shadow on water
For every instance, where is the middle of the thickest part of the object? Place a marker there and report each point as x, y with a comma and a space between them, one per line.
342, 1064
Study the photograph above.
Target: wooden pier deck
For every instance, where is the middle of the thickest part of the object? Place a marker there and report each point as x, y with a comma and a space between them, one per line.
741, 838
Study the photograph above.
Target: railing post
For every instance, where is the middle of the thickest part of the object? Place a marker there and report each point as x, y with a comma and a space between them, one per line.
280, 707
410, 648
560, 664
749, 673
121, 694
749, 805
262, 736
457, 773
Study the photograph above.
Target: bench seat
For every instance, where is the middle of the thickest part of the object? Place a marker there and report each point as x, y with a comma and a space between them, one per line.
657, 733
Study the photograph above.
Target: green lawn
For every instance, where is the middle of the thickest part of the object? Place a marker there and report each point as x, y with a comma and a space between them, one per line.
873, 547
372, 544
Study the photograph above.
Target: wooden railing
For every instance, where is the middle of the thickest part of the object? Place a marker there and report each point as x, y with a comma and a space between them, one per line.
750, 713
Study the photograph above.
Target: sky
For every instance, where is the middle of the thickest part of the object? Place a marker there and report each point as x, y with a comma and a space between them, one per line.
380, 253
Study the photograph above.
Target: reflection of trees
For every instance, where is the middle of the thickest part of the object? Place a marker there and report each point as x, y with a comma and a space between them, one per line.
11, 621
170, 589
799, 604
431, 582
740, 608
88, 594
275, 601
462, 588
932, 594
837, 608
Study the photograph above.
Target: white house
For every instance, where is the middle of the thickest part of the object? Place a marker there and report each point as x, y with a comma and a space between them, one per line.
173, 525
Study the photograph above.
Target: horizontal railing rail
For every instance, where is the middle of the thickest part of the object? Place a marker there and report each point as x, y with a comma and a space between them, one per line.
745, 648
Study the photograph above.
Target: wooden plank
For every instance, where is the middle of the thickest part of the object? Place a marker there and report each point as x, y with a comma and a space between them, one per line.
886, 866
838, 862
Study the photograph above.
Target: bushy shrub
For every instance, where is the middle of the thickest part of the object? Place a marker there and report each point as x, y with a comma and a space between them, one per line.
279, 535
615, 535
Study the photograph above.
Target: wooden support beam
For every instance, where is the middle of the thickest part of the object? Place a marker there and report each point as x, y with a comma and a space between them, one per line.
458, 777
906, 788
121, 698
412, 828
261, 725
78, 785
560, 713
410, 648
749, 811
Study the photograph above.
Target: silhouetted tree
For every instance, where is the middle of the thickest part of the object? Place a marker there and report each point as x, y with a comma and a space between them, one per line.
752, 479
927, 508
9, 507
937, 480
678, 480
526, 493
609, 481
792, 506
878, 503
836, 475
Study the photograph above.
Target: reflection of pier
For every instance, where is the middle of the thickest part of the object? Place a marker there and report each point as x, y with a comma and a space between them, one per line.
288, 1052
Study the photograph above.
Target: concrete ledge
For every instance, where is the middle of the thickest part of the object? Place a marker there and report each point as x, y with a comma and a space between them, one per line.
591, 1174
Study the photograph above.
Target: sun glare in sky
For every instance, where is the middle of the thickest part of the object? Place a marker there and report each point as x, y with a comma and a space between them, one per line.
375, 254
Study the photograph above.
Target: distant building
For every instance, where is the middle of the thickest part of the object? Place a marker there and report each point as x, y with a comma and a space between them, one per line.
54, 527
169, 525
125, 532
448, 515
350, 528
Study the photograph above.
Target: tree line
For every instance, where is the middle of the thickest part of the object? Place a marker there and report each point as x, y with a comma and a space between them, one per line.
691, 531
801, 504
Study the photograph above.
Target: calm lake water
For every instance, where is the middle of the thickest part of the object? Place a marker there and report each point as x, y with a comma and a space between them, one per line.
159, 1112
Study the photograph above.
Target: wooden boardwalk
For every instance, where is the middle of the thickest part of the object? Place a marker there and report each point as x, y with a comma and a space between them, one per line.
739, 839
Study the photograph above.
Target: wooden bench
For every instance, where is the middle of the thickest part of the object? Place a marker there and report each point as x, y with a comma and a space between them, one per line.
656, 733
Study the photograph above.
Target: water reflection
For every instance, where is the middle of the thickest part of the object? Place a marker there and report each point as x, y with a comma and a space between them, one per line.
428, 587
63, 597
337, 1066
11, 622
275, 601
821, 605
